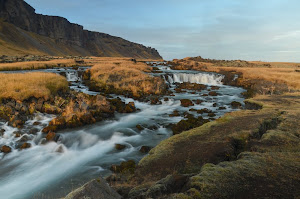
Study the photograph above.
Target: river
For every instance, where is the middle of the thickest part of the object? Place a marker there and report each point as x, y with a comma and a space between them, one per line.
55, 169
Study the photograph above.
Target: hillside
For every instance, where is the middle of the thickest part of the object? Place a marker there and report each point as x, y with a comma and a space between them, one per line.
22, 31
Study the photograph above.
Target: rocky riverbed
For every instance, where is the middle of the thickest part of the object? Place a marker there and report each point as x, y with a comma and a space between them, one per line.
85, 134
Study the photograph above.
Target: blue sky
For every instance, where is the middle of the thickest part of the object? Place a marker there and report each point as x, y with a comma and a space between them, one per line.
267, 30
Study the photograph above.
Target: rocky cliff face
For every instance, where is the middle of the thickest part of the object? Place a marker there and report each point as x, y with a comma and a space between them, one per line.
72, 36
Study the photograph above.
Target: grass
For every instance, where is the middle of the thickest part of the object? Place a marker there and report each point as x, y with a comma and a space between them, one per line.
123, 75
275, 72
33, 65
23, 86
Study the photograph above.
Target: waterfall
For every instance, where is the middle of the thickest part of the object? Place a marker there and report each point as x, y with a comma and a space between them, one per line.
199, 78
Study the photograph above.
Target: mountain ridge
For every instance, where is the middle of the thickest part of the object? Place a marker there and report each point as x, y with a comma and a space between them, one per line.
66, 37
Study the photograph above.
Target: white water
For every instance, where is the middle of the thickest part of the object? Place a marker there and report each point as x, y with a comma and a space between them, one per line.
53, 170
198, 78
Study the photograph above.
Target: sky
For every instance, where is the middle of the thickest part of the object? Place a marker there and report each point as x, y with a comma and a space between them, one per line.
262, 30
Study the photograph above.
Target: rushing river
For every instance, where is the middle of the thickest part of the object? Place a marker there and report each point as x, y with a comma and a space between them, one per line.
55, 169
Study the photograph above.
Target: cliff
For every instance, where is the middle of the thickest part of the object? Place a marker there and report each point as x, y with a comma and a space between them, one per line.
57, 36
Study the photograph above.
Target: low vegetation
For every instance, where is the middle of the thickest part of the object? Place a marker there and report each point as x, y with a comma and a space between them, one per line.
23, 86
34, 65
124, 76
274, 72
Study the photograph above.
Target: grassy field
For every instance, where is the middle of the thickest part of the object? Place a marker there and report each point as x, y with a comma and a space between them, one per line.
34, 65
35, 84
124, 75
276, 72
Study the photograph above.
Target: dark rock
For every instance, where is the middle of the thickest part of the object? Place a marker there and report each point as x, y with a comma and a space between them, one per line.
124, 167
186, 102
2, 131
120, 147
215, 88
5, 149
213, 93
50, 136
205, 110
211, 115
25, 146
198, 101
139, 127
33, 131
222, 108
175, 114
215, 105
145, 149
155, 101
166, 99
36, 123
236, 104
95, 189
188, 124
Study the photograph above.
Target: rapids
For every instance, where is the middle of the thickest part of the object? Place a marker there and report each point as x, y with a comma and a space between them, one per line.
55, 169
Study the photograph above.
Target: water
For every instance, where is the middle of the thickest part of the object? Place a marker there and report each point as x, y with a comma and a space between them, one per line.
55, 169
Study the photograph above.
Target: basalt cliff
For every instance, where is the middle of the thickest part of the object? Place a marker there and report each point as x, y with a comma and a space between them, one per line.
23, 31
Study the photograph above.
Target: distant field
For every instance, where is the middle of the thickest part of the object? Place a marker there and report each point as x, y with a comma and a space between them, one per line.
23, 86
33, 65
276, 72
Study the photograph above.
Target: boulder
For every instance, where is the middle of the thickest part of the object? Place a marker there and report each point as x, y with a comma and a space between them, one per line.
236, 105
145, 149
139, 127
5, 149
213, 93
95, 189
25, 146
50, 136
120, 147
186, 102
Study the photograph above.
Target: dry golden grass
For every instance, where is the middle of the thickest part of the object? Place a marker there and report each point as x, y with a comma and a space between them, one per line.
276, 72
125, 75
23, 86
287, 76
33, 65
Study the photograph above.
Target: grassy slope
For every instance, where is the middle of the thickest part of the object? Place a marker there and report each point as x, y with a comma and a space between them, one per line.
119, 75
23, 86
246, 154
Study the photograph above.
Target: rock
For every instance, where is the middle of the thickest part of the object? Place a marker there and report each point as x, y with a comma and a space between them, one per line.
236, 104
213, 93
198, 101
120, 147
215, 105
155, 101
205, 95
17, 134
130, 107
186, 102
204, 110
191, 86
36, 123
33, 131
5, 149
50, 136
25, 146
95, 189
24, 138
188, 124
124, 167
215, 88
139, 127
175, 114
222, 108
145, 149
2, 131
211, 115
166, 99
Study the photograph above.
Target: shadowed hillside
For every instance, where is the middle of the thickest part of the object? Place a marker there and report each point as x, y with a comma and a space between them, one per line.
22, 31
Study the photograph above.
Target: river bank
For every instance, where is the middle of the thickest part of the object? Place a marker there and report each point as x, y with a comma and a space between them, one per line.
109, 128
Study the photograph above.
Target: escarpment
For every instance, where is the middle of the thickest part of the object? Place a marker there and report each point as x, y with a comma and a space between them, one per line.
34, 33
